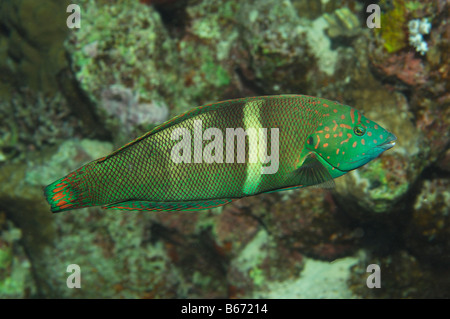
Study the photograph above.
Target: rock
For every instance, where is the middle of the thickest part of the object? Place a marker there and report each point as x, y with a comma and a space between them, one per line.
428, 232
16, 279
402, 276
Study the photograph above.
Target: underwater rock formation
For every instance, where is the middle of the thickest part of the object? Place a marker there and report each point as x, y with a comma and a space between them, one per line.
124, 72
402, 276
428, 233
29, 120
15, 267
29, 55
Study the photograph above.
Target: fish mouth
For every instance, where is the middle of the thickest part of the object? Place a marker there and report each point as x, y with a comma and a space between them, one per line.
388, 143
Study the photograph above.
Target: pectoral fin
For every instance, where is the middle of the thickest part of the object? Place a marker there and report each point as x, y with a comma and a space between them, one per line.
311, 173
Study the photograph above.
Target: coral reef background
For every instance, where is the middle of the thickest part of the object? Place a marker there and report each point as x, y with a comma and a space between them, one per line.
68, 96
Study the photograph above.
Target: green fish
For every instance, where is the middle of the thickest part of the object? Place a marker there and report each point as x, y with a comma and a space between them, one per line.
220, 152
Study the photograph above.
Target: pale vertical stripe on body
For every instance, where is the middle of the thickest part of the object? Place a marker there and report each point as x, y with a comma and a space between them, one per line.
253, 174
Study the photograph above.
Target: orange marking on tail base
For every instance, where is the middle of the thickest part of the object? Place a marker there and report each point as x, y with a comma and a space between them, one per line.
57, 190
61, 203
57, 196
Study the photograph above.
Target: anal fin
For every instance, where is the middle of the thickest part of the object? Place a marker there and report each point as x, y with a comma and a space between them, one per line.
168, 206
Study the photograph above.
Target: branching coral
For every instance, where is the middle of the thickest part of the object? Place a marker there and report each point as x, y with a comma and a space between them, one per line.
417, 28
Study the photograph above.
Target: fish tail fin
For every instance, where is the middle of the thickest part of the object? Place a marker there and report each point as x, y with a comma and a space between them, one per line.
69, 192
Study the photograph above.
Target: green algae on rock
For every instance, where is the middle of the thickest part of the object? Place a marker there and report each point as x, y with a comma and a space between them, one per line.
29, 120
121, 71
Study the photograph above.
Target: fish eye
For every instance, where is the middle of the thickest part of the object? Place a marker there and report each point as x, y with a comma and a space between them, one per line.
359, 130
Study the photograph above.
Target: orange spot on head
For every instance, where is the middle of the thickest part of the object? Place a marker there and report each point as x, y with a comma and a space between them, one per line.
326, 105
335, 126
325, 145
342, 116
369, 133
340, 134
367, 121
318, 141
327, 128
345, 126
335, 111
327, 135
375, 127
335, 135
381, 137
352, 115
363, 142
354, 144
346, 140
337, 151
375, 141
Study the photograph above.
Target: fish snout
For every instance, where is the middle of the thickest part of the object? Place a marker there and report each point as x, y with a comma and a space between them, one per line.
389, 142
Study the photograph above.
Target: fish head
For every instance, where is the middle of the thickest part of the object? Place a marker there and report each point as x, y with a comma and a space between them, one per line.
347, 139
